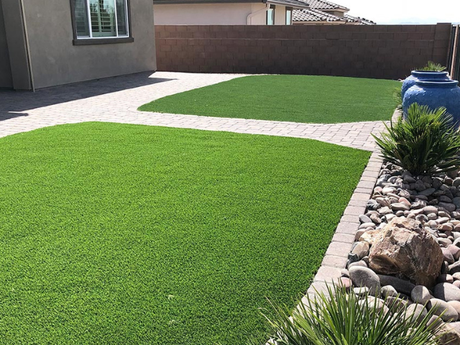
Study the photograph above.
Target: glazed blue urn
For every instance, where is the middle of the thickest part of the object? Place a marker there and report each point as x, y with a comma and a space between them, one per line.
435, 94
422, 76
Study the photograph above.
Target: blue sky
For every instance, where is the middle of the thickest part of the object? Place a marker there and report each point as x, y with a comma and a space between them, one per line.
405, 11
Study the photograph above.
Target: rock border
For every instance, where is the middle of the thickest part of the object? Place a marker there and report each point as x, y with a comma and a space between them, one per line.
336, 255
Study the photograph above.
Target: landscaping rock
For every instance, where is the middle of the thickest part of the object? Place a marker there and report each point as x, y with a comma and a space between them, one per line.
372, 205
420, 294
445, 278
447, 255
399, 206
364, 219
360, 263
448, 206
362, 249
454, 268
430, 209
446, 226
372, 302
402, 250
442, 307
395, 304
361, 291
448, 335
416, 312
445, 242
385, 210
365, 277
400, 285
455, 251
428, 192
446, 292
371, 236
456, 306
455, 325
352, 258
367, 225
345, 282
388, 291
375, 218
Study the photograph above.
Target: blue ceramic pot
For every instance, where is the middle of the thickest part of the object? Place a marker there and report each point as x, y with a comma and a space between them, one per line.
422, 76
435, 94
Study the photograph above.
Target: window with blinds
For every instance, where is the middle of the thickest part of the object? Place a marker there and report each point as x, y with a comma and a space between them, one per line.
101, 18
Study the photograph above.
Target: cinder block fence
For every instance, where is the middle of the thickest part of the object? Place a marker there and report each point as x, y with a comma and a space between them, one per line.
376, 51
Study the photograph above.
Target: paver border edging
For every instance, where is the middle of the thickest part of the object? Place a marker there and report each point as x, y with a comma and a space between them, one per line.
336, 255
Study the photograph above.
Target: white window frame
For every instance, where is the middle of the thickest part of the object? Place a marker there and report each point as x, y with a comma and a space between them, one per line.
88, 12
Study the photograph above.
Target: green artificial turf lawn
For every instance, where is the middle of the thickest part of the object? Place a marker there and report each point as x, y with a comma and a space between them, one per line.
314, 99
127, 234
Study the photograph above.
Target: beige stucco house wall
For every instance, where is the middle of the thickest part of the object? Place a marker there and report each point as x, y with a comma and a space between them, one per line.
210, 14
217, 14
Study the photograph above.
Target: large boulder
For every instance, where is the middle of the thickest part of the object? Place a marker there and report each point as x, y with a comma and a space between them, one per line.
404, 248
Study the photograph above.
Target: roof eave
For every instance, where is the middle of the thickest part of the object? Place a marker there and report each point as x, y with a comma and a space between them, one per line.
289, 3
296, 5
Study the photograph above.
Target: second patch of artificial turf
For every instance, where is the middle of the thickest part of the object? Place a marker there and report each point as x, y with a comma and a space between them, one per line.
296, 98
125, 234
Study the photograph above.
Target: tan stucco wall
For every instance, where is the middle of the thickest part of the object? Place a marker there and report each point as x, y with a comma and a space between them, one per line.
280, 15
215, 14
208, 14
55, 60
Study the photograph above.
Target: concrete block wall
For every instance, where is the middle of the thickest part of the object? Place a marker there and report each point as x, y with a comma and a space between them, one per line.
377, 51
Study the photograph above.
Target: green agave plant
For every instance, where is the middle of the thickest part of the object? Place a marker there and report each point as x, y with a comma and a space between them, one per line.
432, 66
339, 318
426, 142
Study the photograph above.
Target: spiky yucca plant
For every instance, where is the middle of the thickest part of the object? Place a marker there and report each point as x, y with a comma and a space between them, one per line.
339, 318
426, 142
432, 66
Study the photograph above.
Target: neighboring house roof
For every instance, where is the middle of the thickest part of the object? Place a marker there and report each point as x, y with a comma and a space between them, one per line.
363, 21
312, 15
324, 5
290, 3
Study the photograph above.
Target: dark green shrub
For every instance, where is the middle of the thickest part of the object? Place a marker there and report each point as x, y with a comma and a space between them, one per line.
339, 318
426, 142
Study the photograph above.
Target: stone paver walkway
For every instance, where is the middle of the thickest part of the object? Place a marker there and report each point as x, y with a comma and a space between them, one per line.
117, 100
